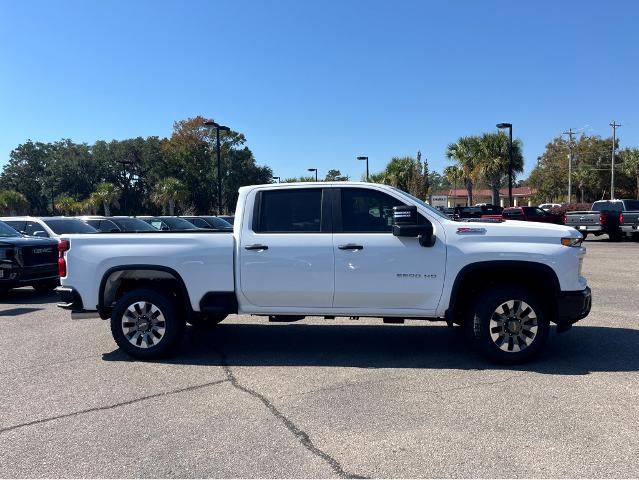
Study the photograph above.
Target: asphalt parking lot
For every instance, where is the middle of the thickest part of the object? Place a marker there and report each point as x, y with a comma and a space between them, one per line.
317, 398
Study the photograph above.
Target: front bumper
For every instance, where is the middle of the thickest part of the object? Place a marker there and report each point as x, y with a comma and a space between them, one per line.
573, 306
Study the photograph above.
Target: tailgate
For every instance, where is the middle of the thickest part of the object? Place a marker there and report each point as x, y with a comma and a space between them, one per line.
577, 219
630, 218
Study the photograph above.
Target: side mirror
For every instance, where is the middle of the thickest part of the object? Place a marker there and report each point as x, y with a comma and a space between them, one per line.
405, 224
40, 233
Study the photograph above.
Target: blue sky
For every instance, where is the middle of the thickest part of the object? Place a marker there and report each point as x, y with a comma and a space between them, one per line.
314, 84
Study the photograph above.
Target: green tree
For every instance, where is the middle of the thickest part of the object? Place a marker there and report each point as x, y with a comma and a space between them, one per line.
13, 203
491, 163
453, 175
169, 191
66, 204
106, 194
465, 152
335, 176
630, 165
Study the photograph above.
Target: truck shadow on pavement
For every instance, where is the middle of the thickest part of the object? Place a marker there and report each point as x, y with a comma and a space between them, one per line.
582, 350
26, 296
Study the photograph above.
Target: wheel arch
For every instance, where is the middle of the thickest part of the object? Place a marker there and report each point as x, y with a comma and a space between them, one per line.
480, 275
144, 275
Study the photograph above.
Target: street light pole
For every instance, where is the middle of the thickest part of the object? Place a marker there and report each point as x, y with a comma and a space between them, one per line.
570, 133
509, 126
614, 126
218, 127
313, 170
365, 158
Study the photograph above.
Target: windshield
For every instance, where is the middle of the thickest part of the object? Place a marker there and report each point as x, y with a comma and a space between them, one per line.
7, 231
219, 223
63, 226
179, 224
132, 225
422, 203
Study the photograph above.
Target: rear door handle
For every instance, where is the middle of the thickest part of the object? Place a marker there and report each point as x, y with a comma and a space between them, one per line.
350, 246
256, 246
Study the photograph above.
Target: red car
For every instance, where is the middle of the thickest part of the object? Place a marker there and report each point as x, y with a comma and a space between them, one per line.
531, 214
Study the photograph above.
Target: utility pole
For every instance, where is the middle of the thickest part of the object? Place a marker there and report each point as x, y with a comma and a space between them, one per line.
570, 133
614, 126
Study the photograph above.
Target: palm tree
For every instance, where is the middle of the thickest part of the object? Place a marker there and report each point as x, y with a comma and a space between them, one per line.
169, 191
630, 159
66, 204
465, 153
106, 194
454, 175
13, 202
493, 158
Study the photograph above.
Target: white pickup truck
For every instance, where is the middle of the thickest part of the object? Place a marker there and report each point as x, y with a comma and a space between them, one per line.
332, 249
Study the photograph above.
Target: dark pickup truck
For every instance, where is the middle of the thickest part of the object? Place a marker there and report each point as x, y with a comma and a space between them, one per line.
27, 261
606, 216
630, 224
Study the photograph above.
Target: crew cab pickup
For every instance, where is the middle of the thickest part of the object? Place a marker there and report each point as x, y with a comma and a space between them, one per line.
333, 249
604, 217
26, 261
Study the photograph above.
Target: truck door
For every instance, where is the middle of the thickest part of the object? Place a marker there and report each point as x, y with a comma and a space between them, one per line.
286, 254
373, 268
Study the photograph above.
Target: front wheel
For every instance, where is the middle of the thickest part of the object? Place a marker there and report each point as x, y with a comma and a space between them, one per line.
146, 324
508, 325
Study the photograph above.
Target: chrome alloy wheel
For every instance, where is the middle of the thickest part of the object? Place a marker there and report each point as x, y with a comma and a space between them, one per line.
513, 326
143, 324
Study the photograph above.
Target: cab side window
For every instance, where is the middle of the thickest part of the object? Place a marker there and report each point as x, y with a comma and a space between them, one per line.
33, 227
367, 211
290, 211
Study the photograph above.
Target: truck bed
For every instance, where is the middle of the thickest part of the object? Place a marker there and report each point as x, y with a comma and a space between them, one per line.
204, 260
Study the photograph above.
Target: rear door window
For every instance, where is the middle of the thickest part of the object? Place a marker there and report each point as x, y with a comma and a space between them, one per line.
290, 211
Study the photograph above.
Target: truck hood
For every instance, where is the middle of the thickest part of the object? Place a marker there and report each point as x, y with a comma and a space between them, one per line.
513, 230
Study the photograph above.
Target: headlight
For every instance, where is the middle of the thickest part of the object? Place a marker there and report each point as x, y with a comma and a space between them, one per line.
572, 241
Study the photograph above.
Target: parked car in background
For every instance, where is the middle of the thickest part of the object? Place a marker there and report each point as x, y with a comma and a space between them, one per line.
549, 206
118, 224
27, 260
48, 226
209, 221
630, 224
477, 211
531, 214
228, 218
603, 217
169, 223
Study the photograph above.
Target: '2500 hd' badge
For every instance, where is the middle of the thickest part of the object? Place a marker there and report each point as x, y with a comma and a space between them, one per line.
416, 275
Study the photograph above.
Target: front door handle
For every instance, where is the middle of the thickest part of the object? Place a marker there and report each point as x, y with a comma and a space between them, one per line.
350, 246
256, 246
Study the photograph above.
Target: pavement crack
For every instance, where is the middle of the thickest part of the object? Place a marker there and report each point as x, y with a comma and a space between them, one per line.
112, 406
300, 434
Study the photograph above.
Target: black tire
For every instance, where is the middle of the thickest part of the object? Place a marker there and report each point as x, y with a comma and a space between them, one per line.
148, 335
615, 236
44, 287
517, 341
205, 321
585, 235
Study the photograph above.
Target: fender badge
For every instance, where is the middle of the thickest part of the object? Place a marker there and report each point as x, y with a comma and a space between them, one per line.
470, 231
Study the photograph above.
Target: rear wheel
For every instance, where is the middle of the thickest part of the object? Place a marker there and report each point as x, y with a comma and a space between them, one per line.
508, 324
146, 324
